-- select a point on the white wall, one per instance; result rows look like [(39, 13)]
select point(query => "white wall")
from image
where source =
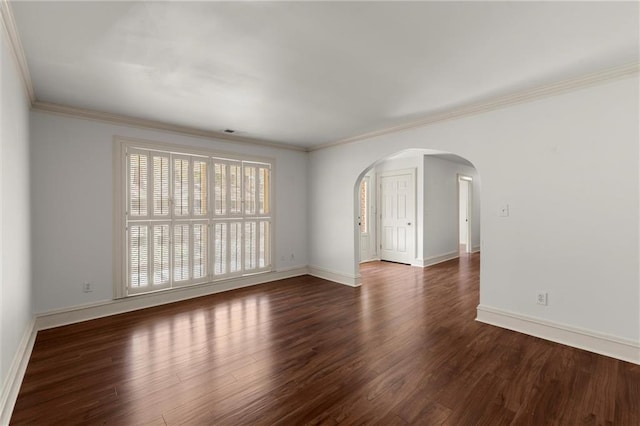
[(548, 159), (15, 233), (73, 207), (441, 207)]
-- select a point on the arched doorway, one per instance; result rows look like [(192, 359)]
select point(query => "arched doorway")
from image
[(418, 207)]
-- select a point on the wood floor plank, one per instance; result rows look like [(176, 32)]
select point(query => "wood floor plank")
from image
[(402, 349)]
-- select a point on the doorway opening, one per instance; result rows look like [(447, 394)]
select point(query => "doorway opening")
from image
[(465, 211), (418, 207)]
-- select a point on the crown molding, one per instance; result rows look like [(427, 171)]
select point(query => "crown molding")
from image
[(499, 102), (11, 31), (106, 117)]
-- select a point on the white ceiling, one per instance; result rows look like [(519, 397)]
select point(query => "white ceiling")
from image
[(313, 72)]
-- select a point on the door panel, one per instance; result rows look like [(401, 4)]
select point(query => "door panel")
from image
[(397, 217)]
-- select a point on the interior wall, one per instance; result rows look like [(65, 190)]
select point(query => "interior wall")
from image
[(441, 207), (546, 159), (73, 205), (15, 210)]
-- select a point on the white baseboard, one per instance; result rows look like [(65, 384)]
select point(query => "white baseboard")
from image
[(434, 260), (338, 277), (13, 381), (612, 346), (475, 249), (111, 307)]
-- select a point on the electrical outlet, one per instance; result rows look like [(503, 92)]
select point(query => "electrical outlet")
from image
[(542, 298), (87, 287)]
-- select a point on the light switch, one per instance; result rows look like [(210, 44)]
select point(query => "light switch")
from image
[(504, 210)]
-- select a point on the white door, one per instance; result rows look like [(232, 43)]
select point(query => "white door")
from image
[(397, 216)]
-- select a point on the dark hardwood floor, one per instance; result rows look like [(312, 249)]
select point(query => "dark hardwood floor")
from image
[(402, 349)]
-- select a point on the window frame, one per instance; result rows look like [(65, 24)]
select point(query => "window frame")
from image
[(122, 145)]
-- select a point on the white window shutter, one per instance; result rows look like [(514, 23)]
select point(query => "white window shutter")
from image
[(161, 179), (138, 256), (200, 251), (235, 188), (250, 246), (181, 190), (192, 218), (181, 252), (161, 275), (235, 243), (250, 186), (200, 187), (138, 188), (220, 248), (264, 182), (264, 256), (220, 190)]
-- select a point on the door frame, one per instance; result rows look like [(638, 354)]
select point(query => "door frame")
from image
[(379, 176), (469, 180)]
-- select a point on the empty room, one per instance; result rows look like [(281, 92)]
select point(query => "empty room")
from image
[(255, 212)]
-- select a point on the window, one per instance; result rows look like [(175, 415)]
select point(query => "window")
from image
[(363, 205), (191, 217)]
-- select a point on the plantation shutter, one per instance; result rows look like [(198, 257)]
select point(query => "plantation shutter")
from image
[(138, 187), (250, 185), (161, 255), (235, 188), (181, 252), (264, 258), (235, 243), (263, 190), (220, 247), (200, 187), (181, 175), (139, 256), (192, 219), (200, 251)]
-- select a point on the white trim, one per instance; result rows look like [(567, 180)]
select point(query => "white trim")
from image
[(15, 375), (153, 145), (143, 123), (434, 260), (515, 98), (603, 344), (475, 249), (499, 102), (76, 314), (8, 22), (336, 277)]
